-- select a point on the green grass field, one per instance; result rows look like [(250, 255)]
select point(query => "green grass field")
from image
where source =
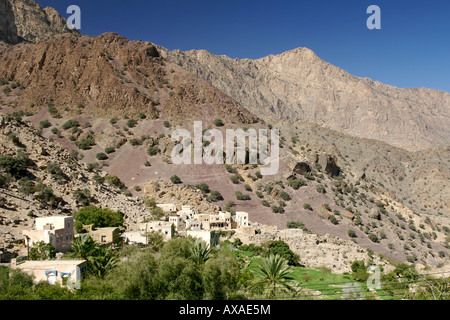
[(318, 283)]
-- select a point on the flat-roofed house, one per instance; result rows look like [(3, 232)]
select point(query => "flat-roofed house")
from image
[(210, 237), (193, 225), (242, 219), (105, 235), (53, 271), (204, 220), (56, 230), (167, 207), (186, 213), (176, 220), (165, 227)]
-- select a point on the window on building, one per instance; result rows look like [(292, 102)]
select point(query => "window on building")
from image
[(103, 238)]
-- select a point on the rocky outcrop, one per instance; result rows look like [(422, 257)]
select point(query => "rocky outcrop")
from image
[(8, 29), (301, 168), (318, 251), (328, 163), (298, 85), (26, 20)]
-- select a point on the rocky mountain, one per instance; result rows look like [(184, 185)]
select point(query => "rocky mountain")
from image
[(26, 20), (97, 106), (299, 86), (108, 75)]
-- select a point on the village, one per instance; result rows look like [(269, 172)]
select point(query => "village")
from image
[(178, 221)]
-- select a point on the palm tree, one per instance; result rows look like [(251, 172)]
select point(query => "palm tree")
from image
[(83, 246), (273, 276), (102, 262), (200, 252)]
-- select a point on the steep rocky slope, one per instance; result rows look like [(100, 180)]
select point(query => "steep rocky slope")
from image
[(26, 20), (298, 85), (49, 183), (108, 75)]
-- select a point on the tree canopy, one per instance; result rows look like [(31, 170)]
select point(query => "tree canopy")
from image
[(100, 218)]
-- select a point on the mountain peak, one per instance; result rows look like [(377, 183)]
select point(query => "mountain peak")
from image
[(26, 20)]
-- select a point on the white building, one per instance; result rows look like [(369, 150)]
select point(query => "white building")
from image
[(241, 219), (176, 220), (193, 225), (53, 271), (167, 207), (210, 237), (186, 213), (57, 230), (165, 227)]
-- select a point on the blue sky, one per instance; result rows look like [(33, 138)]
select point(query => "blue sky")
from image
[(412, 49)]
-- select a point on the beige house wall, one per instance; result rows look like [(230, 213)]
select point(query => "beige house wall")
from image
[(105, 235), (43, 270)]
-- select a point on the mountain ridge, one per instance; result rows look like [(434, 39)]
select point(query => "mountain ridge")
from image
[(298, 85)]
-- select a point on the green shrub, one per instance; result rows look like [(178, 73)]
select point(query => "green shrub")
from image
[(99, 179), (215, 196), (114, 181), (351, 233), (296, 183), (320, 188), (131, 123), (333, 220), (135, 142), (218, 123), (70, 124), (285, 196), (373, 237), (101, 156), (45, 124), (83, 197), (280, 248), (307, 206), (26, 186), (152, 151), (56, 131), (5, 180), (175, 179), (277, 209), (230, 169), (85, 144), (7, 90), (166, 124), (203, 187), (235, 179), (296, 225), (55, 170), (15, 166), (110, 150), (359, 270), (241, 196)]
